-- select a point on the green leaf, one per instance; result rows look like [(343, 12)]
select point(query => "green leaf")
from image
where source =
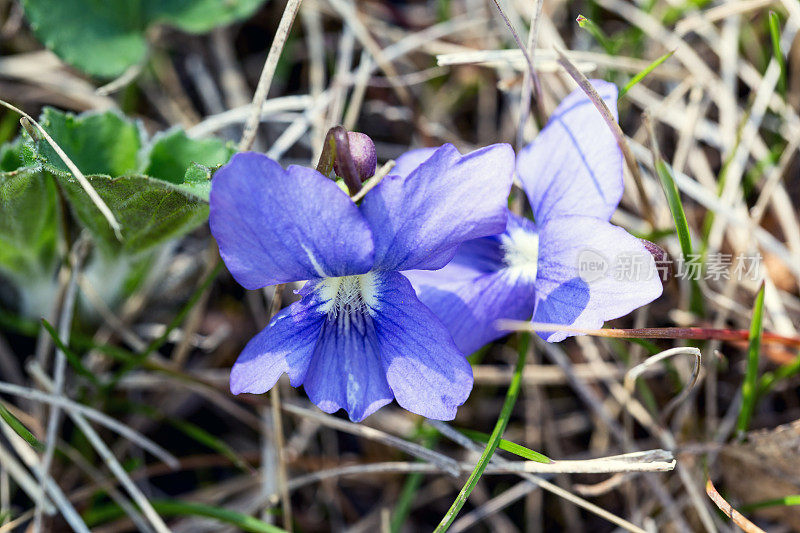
[(200, 16), (665, 174), (28, 225), (98, 143), (150, 211), (178, 159), (108, 148), (106, 37)]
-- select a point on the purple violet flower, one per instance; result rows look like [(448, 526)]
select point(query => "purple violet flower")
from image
[(359, 336), (572, 175)]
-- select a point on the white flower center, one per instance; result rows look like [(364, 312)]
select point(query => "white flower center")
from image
[(521, 253), (346, 297)]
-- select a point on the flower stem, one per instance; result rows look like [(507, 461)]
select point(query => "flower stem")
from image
[(494, 439)]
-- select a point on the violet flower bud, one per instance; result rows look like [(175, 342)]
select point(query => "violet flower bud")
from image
[(362, 150)]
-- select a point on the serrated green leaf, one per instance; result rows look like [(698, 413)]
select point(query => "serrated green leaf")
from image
[(107, 148), (186, 162), (105, 37), (150, 211), (174, 152), (98, 143)]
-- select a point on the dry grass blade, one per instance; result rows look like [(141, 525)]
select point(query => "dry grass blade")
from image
[(93, 414), (109, 459), (59, 373), (23, 479), (467, 443), (445, 463), (633, 374), (373, 182), (737, 517), (265, 80)]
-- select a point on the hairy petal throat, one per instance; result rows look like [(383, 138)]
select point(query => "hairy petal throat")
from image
[(349, 300)]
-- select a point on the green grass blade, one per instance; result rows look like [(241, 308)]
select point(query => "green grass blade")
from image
[(667, 179), (597, 33), (19, 428), (640, 76), (235, 518), (775, 35), (410, 487), (494, 439), (169, 508), (675, 205), (750, 385), (72, 358), (508, 446), (793, 499), (769, 379), (207, 439)]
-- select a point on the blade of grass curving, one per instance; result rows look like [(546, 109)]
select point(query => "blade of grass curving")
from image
[(91, 413), (641, 75), (72, 358), (750, 385), (792, 499), (111, 461), (494, 439), (672, 194), (775, 35), (20, 428), (508, 446)]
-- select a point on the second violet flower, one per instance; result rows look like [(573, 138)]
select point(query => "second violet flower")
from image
[(572, 176)]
